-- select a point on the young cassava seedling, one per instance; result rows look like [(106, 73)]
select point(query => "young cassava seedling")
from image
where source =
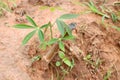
[(57, 43)]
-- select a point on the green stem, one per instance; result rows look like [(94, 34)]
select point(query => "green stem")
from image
[(51, 25)]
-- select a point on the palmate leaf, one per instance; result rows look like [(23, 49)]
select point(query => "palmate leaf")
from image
[(23, 26), (67, 28), (31, 21), (68, 16), (60, 25), (28, 37), (41, 35)]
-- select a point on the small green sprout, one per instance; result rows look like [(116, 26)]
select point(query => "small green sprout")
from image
[(107, 75), (66, 60), (3, 7), (114, 17), (88, 57), (96, 64), (94, 9)]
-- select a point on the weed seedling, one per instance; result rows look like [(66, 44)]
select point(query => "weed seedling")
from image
[(107, 75), (114, 17), (88, 59), (95, 10), (3, 7)]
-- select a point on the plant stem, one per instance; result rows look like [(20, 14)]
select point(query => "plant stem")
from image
[(49, 56), (51, 30)]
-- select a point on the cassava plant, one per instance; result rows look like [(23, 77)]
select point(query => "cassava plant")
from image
[(56, 43)]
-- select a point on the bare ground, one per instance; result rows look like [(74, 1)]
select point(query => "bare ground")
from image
[(92, 37)]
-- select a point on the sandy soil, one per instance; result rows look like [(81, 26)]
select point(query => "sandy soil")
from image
[(92, 37)]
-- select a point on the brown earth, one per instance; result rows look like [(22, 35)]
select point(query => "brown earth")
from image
[(92, 37)]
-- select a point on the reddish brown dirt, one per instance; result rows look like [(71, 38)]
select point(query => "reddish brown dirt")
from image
[(92, 37)]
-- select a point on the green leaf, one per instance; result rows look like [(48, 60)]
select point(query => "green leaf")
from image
[(41, 35), (61, 46), (52, 9), (68, 37), (87, 57), (60, 25), (61, 55), (67, 62), (68, 16), (45, 26), (114, 17), (72, 63), (94, 9), (31, 21), (58, 63), (28, 37), (23, 26), (52, 41), (68, 30), (108, 74)]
